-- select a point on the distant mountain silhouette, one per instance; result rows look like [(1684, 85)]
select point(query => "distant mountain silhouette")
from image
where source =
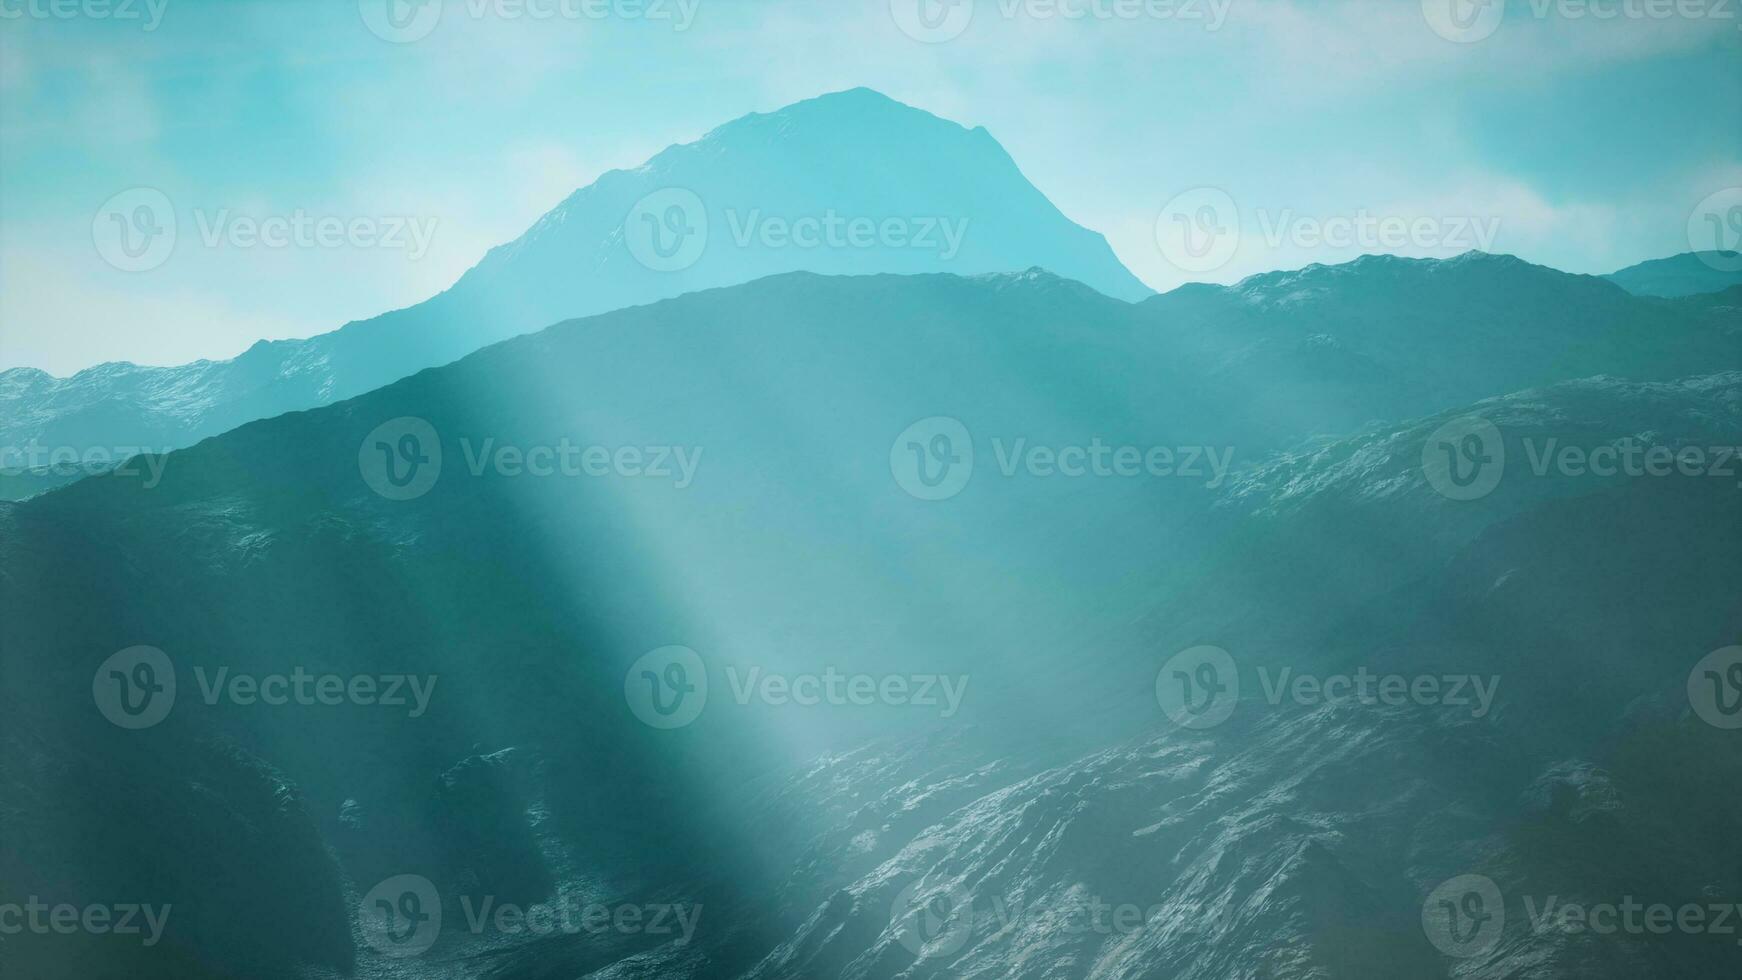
[(852, 182), (1687, 274), (1386, 338)]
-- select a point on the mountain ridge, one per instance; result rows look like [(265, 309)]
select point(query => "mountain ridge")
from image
[(853, 152), (1685, 274), (531, 598)]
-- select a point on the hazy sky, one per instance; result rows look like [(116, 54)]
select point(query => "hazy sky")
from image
[(1583, 136)]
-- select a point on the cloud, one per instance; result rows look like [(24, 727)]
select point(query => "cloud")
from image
[(116, 318), (16, 81)]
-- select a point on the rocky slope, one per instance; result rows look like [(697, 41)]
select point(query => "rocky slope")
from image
[(1295, 840)]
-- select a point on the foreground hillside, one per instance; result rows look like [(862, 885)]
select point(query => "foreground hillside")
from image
[(768, 519)]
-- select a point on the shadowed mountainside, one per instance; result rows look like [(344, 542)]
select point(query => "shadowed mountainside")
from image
[(1296, 841)]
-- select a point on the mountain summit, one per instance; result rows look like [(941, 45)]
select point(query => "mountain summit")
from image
[(1687, 274), (847, 183)]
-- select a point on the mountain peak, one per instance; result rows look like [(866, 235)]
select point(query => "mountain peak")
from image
[(1375, 274), (856, 114), (857, 97), (1686, 274), (847, 183), (925, 194)]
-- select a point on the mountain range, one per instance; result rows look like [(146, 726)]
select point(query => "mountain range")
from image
[(844, 607), (1687, 274), (1298, 840), (848, 182)]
